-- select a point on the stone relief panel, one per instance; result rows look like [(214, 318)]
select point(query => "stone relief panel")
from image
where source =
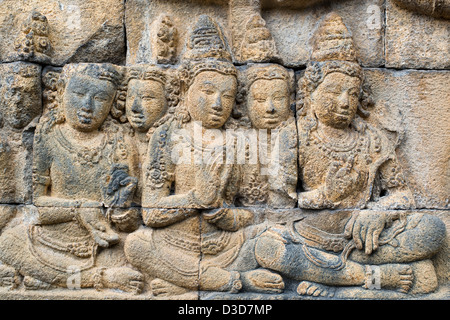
[(239, 149)]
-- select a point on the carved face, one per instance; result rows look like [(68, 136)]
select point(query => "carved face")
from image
[(335, 101), (211, 97), (268, 103), (146, 103), (87, 102), (21, 102)]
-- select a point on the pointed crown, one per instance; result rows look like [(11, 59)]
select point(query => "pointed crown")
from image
[(333, 41), (206, 51), (207, 41)]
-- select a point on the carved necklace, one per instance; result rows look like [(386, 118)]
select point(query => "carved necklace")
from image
[(354, 145), (82, 155)]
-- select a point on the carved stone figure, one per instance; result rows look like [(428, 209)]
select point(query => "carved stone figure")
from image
[(147, 101), (271, 179), (224, 149), (346, 163), (81, 163), (20, 104), (195, 221)]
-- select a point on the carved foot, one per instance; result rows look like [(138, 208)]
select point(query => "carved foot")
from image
[(306, 288), (263, 281), (162, 288), (31, 283), (8, 277), (125, 279), (393, 277)]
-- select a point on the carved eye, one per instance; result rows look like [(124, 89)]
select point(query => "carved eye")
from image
[(209, 92), (100, 98), (354, 94), (278, 98), (228, 96)]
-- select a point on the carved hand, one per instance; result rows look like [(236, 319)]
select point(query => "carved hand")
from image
[(94, 222), (121, 187), (341, 180), (365, 229), (210, 181)]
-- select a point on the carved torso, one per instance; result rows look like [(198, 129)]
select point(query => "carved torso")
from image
[(363, 152)]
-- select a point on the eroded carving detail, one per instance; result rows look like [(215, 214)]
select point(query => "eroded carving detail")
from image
[(20, 107), (33, 43), (435, 8), (166, 41), (272, 180)]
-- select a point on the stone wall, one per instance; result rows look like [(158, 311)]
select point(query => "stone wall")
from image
[(95, 203)]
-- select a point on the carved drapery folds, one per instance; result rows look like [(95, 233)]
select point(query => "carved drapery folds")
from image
[(215, 169)]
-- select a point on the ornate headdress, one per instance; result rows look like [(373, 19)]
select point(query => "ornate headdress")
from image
[(258, 44), (102, 71), (147, 73), (333, 50), (267, 72), (207, 50)]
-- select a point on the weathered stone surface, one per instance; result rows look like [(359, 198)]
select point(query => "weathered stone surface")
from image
[(415, 105), (414, 40), (141, 19), (290, 28), (77, 31), (435, 8), (20, 108), (211, 164)]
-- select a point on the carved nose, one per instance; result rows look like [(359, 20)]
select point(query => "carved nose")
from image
[(136, 107), (270, 107), (343, 101), (86, 106), (217, 106)]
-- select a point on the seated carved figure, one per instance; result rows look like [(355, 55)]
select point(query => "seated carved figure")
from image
[(20, 105), (345, 163), (146, 101), (269, 174), (81, 163), (194, 237)]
